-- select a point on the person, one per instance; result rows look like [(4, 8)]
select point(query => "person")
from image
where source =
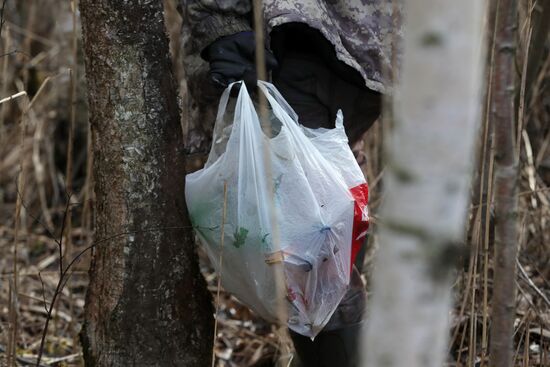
[(323, 55)]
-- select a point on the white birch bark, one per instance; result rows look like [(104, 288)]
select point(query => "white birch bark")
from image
[(430, 159)]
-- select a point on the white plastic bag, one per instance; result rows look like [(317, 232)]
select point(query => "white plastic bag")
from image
[(303, 229), (333, 145)]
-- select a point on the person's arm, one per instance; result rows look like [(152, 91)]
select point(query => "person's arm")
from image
[(221, 32), (211, 20)]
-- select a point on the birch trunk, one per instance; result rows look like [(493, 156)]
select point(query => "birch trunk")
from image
[(506, 187), (147, 304), (430, 159)]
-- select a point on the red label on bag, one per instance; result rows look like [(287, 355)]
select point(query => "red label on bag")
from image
[(360, 194)]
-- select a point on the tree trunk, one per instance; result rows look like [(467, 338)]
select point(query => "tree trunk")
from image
[(429, 169), (147, 304), (541, 30), (506, 186)]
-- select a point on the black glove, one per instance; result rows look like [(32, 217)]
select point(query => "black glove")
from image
[(232, 58)]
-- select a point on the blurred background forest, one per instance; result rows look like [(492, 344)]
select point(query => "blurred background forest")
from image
[(46, 197)]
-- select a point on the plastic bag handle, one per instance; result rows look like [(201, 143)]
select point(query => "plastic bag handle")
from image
[(296, 133), (265, 87), (339, 123), (213, 155), (243, 100), (224, 100), (279, 110), (276, 95)]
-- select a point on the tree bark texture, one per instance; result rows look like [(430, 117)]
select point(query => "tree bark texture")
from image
[(200, 98), (147, 304), (506, 187), (430, 159)]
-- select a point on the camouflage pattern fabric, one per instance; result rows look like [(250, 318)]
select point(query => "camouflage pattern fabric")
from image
[(360, 30)]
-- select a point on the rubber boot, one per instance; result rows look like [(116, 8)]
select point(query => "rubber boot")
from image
[(331, 348)]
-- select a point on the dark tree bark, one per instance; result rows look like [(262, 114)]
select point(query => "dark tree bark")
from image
[(506, 187), (147, 304)]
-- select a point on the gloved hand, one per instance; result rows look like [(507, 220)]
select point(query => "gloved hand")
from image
[(233, 58)]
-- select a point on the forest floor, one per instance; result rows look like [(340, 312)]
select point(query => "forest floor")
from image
[(244, 339)]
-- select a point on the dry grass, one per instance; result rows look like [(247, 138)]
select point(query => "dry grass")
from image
[(39, 54)]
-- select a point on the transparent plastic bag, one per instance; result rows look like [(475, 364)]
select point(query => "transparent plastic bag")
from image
[(333, 145), (289, 211)]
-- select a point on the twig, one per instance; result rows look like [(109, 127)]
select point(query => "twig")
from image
[(64, 358), (43, 292), (21, 188), (522, 99), (13, 52), (25, 361), (17, 29), (39, 91), (63, 224), (4, 89), (36, 219), (532, 284), (49, 273), (69, 169), (219, 273), (278, 272), (506, 184), (2, 21), (12, 97)]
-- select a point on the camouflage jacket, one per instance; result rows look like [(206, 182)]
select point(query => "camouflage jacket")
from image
[(360, 30)]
